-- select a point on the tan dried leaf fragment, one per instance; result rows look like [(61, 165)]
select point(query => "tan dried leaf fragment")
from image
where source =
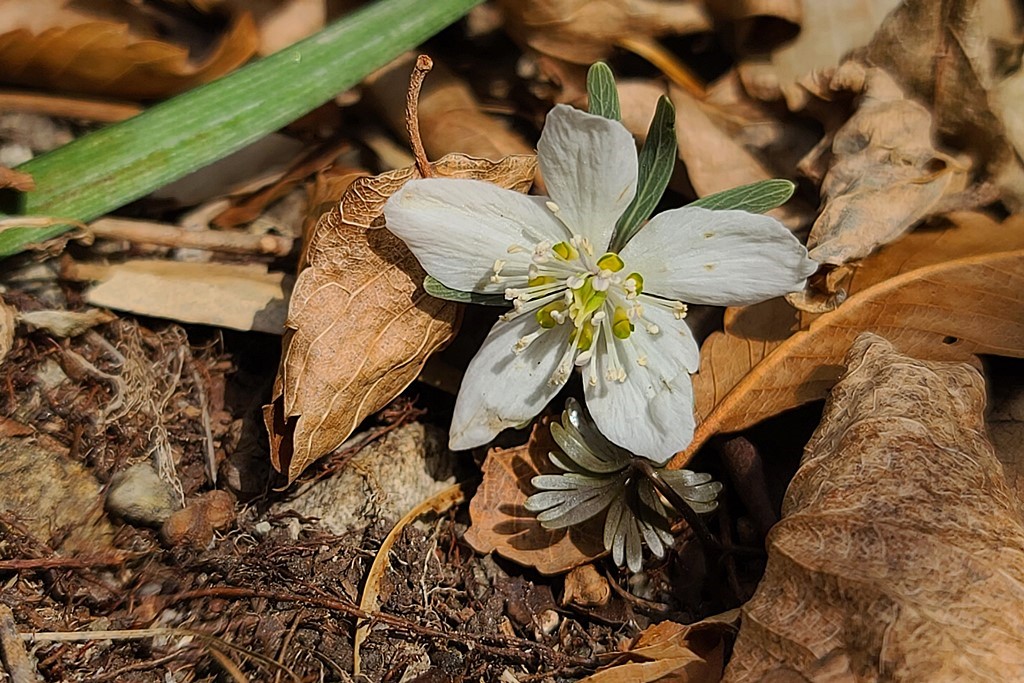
[(87, 47), (900, 555), (501, 523), (939, 295), (668, 651), (360, 327), (583, 32)]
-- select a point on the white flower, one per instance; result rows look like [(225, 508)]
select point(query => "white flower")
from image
[(619, 317)]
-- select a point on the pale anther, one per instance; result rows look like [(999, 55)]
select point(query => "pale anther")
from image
[(552, 207)]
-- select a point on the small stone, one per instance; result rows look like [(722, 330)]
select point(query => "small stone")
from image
[(262, 528), (140, 496), (547, 621), (194, 525)]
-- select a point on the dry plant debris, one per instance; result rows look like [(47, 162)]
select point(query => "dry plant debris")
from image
[(900, 551)]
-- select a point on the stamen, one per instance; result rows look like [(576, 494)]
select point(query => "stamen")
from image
[(516, 249), (540, 251), (641, 361), (523, 342), (552, 207), (545, 316), (574, 281)]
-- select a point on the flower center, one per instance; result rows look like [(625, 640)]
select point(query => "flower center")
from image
[(601, 299)]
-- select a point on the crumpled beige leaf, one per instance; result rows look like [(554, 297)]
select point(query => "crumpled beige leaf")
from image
[(671, 652), (940, 295), (962, 58), (91, 47), (500, 522), (360, 327), (900, 555), (886, 174), (583, 32), (62, 323)]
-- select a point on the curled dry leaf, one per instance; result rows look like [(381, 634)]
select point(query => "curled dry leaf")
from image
[(886, 174), (962, 57), (673, 652), (500, 522), (63, 323), (450, 117), (360, 327), (583, 32), (83, 47), (917, 292), (900, 555)]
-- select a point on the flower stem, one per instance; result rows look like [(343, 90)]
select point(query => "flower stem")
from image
[(412, 117)]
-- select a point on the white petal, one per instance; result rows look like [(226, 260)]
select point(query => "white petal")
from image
[(651, 413), (722, 258), (502, 389), (590, 168), (458, 228)]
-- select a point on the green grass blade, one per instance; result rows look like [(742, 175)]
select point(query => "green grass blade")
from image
[(656, 162), (602, 95), (755, 197), (435, 288), (107, 169)]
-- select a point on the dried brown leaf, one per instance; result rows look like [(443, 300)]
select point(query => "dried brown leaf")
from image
[(583, 32), (93, 48), (874, 575), (501, 523), (886, 174), (759, 25), (360, 326), (935, 308), (1005, 422), (671, 652)]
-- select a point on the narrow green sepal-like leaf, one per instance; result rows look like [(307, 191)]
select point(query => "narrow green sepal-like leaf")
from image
[(602, 93), (656, 162), (755, 198), (109, 168), (434, 288)]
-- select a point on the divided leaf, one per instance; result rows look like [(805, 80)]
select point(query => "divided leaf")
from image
[(915, 292), (360, 325)]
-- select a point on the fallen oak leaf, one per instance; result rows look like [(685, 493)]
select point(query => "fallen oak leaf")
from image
[(360, 326), (878, 576), (944, 310), (500, 522)]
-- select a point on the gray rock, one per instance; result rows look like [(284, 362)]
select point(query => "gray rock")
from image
[(383, 481), (140, 496)]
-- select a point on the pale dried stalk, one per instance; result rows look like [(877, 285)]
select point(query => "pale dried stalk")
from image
[(161, 234)]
